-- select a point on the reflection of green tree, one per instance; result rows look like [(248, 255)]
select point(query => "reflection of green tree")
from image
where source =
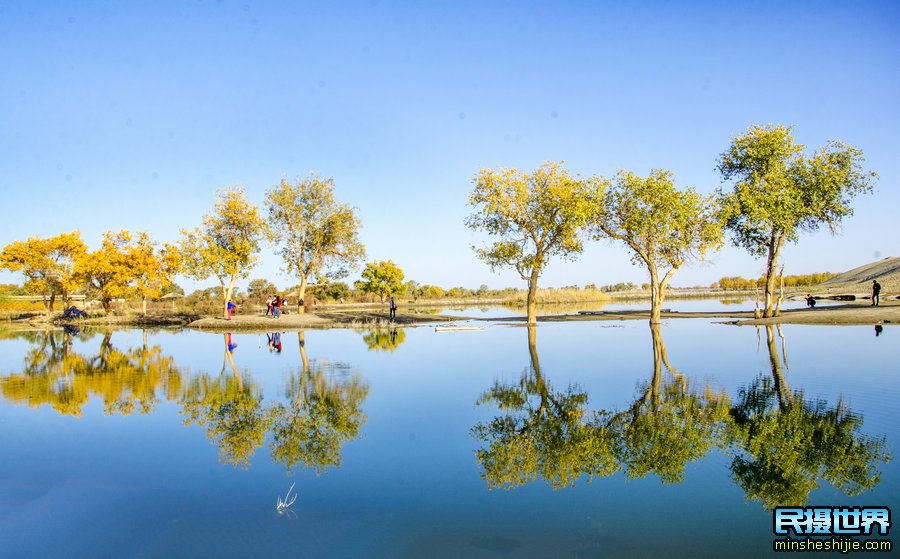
[(56, 375), (783, 444), (542, 433), (324, 412), (230, 407), (667, 426), (384, 340)]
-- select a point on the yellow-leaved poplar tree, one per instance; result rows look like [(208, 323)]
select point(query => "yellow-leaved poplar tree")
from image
[(153, 269), (47, 264), (227, 244), (108, 268)]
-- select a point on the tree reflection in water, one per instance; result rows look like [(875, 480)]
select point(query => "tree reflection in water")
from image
[(783, 444), (230, 408), (384, 339), (543, 432), (56, 375), (323, 412), (667, 426)]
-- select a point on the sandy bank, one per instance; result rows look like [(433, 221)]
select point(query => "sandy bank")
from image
[(329, 319), (847, 314)]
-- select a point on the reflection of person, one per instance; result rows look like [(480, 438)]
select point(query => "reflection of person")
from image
[(229, 344), (393, 308), (878, 330), (810, 301), (228, 308), (876, 291), (274, 341)]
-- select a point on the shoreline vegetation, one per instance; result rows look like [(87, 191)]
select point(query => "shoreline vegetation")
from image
[(428, 313)]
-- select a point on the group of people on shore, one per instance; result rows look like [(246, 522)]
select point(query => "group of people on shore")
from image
[(274, 305)]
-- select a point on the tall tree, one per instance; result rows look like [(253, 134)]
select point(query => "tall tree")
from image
[(778, 192), (663, 226), (152, 269), (108, 269), (227, 244), (316, 235), (47, 264), (383, 278), (536, 216)]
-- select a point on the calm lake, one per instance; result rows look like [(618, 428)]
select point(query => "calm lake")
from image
[(583, 439)]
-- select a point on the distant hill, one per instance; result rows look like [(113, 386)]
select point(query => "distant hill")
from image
[(886, 271)]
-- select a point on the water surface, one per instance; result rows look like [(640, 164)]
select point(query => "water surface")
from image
[(586, 439)]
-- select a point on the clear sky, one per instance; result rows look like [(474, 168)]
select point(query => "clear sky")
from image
[(130, 115)]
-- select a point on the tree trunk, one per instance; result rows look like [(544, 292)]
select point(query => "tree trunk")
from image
[(226, 293), (775, 245), (780, 291), (144, 305), (52, 300), (301, 295), (655, 298), (531, 300)]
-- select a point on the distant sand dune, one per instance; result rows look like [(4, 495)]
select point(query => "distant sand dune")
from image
[(886, 271)]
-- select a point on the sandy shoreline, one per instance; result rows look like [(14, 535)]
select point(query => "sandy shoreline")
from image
[(845, 314), (851, 313)]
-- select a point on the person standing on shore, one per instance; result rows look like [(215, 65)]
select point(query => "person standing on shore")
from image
[(268, 305), (393, 308), (876, 292), (230, 307), (276, 307)]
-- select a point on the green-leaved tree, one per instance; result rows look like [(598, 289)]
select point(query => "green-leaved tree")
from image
[(535, 216), (779, 192), (382, 278), (663, 226), (316, 235)]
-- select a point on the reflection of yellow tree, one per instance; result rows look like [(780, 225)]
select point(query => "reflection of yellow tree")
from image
[(384, 340), (324, 412), (667, 426), (47, 375), (783, 444), (54, 374), (230, 407), (542, 433)]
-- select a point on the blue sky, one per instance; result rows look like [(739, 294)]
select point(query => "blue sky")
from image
[(127, 115)]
